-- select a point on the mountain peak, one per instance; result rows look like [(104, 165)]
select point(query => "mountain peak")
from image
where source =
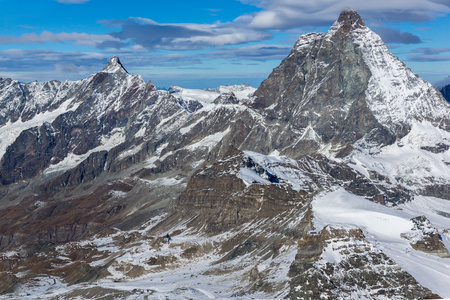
[(349, 19), (114, 65)]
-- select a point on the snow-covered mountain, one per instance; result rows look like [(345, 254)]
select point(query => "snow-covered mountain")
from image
[(195, 99), (331, 179), (444, 87), (440, 84)]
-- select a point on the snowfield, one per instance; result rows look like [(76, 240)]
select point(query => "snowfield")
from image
[(383, 226), (407, 162), (207, 96)]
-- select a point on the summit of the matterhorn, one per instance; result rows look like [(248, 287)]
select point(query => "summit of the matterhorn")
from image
[(348, 20), (114, 65)]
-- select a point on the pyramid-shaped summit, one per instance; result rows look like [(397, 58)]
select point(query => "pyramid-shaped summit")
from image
[(346, 86), (114, 65), (349, 19)]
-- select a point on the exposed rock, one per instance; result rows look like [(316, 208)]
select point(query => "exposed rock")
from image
[(114, 65), (65, 221), (82, 272), (227, 98), (7, 283), (340, 263), (103, 102), (437, 190), (425, 237), (332, 83), (322, 84), (12, 100), (97, 292), (439, 148), (86, 171), (191, 105), (219, 200)]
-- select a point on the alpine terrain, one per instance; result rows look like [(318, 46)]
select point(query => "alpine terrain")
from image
[(329, 181), (444, 87)]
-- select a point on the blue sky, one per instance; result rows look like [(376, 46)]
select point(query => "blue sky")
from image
[(200, 44)]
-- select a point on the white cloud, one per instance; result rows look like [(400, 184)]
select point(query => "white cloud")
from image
[(40, 64), (181, 36), (84, 39), (260, 52), (224, 38), (286, 14)]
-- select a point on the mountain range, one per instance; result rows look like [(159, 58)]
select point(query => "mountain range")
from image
[(444, 87), (330, 180)]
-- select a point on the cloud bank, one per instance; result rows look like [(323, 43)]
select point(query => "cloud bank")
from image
[(287, 14), (430, 55), (184, 36), (50, 37), (391, 35)]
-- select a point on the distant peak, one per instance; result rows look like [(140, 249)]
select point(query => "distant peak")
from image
[(349, 19), (114, 65)]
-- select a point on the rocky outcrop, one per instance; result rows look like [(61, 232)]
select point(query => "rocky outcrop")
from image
[(240, 188), (65, 220), (437, 190), (218, 200), (7, 283), (86, 171), (340, 263), (425, 237), (227, 98), (12, 100)]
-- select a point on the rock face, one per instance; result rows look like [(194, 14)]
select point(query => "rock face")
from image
[(425, 237), (227, 98), (103, 103), (357, 268), (94, 174), (220, 200), (337, 85)]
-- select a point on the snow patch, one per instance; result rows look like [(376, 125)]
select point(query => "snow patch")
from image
[(407, 162), (11, 131), (116, 137), (210, 141), (207, 96), (277, 169)]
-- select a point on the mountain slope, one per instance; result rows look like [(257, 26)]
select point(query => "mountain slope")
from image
[(444, 87), (346, 86)]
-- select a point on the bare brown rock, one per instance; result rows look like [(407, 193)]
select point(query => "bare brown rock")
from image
[(425, 237)]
